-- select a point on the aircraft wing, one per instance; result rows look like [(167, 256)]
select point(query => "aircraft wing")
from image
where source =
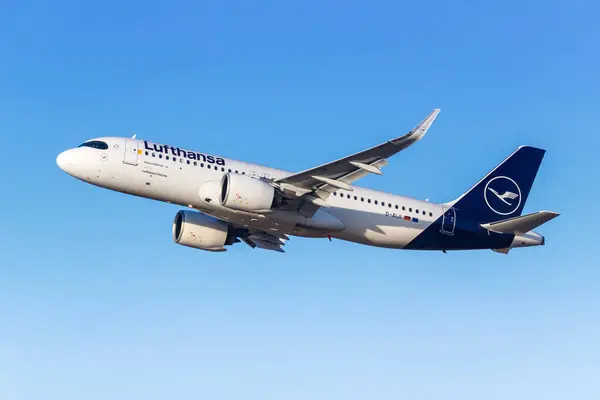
[(317, 183)]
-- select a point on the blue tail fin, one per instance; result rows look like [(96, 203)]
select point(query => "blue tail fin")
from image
[(503, 192)]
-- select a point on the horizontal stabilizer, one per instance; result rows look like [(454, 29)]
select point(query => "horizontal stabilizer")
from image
[(522, 224)]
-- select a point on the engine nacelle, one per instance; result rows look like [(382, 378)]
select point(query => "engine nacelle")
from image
[(240, 192), (200, 231)]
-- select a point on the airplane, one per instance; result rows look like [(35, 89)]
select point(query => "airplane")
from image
[(229, 201)]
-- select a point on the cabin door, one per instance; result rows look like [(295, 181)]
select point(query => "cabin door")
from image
[(448, 221), (131, 152)]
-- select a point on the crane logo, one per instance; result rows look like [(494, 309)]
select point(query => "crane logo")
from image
[(502, 195)]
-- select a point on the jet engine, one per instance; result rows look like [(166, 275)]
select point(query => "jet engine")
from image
[(240, 192), (201, 231)]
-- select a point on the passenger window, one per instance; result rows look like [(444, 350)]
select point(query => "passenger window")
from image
[(396, 206), (369, 201), (174, 159), (201, 165), (146, 153), (355, 198), (410, 210), (195, 163), (362, 199), (424, 212), (348, 195), (390, 205), (160, 156), (153, 154), (167, 157), (417, 211), (431, 214), (403, 208), (236, 171), (375, 202)]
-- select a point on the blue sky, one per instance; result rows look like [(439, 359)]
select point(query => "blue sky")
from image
[(97, 302)]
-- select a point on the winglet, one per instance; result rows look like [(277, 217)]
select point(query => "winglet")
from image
[(420, 130)]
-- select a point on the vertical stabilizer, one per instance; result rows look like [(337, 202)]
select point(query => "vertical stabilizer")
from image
[(502, 193)]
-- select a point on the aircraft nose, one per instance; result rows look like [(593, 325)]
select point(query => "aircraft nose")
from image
[(67, 161), (63, 160)]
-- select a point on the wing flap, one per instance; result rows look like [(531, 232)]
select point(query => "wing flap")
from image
[(261, 244), (265, 241)]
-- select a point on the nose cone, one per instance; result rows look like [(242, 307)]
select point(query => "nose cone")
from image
[(69, 161), (62, 160)]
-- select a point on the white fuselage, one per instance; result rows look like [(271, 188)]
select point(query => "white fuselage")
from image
[(130, 166)]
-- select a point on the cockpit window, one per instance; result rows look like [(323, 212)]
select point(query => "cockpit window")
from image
[(96, 144)]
